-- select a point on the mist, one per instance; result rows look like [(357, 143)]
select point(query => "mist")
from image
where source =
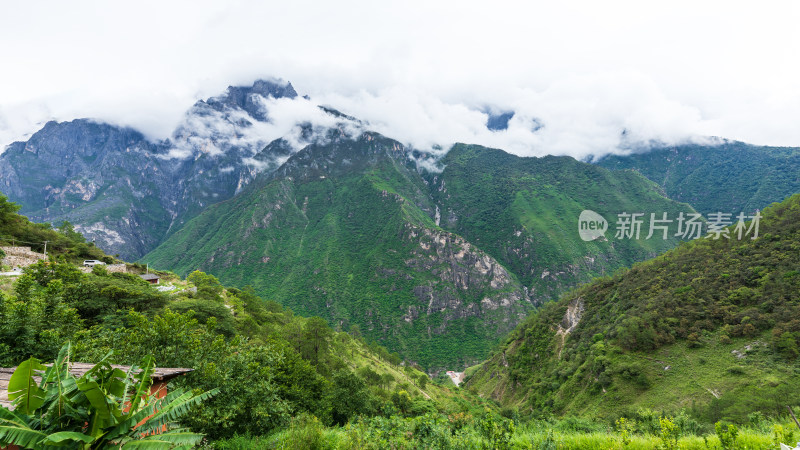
[(582, 78)]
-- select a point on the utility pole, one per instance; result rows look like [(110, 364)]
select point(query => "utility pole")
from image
[(45, 249)]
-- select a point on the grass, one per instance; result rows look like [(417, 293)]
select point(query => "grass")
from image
[(307, 433), (7, 284), (607, 440)]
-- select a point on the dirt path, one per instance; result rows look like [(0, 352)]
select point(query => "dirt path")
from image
[(457, 377)]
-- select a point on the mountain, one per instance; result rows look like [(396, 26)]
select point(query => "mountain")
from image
[(126, 193), (524, 212), (436, 266), (729, 177), (710, 327)]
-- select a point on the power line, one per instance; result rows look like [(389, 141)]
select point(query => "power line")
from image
[(19, 241), (15, 241)]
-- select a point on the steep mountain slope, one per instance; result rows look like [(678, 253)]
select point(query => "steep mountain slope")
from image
[(524, 212), (710, 326), (126, 193), (730, 177), (347, 229), (83, 172)]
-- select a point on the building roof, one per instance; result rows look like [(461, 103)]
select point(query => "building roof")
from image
[(149, 276), (78, 369)]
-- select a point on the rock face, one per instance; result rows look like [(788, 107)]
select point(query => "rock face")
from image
[(126, 193), (460, 268), (571, 320)]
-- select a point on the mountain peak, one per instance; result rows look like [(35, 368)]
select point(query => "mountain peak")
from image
[(243, 97), (276, 89)]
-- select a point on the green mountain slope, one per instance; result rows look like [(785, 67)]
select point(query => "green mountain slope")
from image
[(710, 326), (524, 212), (731, 177), (348, 231)]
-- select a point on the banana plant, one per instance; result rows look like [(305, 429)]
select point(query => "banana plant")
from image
[(104, 408)]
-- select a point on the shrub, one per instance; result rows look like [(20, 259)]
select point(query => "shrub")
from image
[(625, 428), (727, 435), (781, 435), (496, 430), (669, 434)]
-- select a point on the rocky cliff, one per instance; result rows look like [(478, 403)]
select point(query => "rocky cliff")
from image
[(127, 193)]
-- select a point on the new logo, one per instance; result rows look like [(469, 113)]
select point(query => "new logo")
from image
[(591, 225)]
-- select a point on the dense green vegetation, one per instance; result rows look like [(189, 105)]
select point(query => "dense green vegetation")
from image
[(348, 231), (710, 327), (267, 363), (488, 431), (730, 177), (64, 241), (524, 212), (351, 243)]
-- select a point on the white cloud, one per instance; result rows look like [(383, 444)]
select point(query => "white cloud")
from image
[(216, 131), (420, 71)]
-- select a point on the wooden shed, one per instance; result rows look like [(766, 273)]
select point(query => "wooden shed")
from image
[(160, 378), (150, 278)]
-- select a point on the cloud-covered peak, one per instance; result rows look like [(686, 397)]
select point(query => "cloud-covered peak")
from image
[(244, 119), (248, 98)]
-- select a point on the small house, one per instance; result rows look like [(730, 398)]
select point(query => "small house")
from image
[(150, 278), (160, 377)]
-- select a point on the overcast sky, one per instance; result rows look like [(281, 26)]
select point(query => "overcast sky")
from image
[(420, 71)]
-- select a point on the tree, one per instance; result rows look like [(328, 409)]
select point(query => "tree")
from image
[(370, 376), (250, 400), (208, 286), (386, 380), (394, 359), (43, 272), (349, 397), (316, 335), (7, 209), (785, 343), (297, 380), (106, 407), (36, 323), (206, 309), (423, 381), (402, 401), (68, 230)]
